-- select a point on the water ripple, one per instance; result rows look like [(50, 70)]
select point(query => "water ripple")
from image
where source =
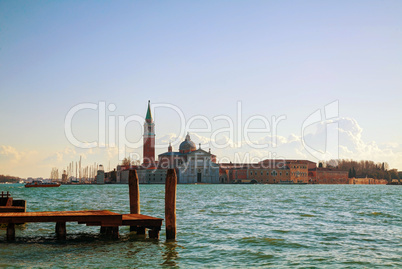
[(232, 226)]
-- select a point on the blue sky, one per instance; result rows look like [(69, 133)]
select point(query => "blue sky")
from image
[(275, 57)]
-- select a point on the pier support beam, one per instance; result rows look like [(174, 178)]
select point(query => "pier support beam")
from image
[(139, 230), (61, 232), (110, 232), (153, 233), (10, 232), (170, 204)]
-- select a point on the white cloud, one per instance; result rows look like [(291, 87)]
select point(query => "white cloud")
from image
[(15, 162), (351, 145), (10, 153)]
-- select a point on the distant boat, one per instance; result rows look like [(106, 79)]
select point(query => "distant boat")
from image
[(41, 184)]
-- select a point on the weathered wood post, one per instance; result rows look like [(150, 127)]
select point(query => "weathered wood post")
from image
[(170, 204), (61, 233), (134, 192), (134, 196), (10, 232), (111, 232)]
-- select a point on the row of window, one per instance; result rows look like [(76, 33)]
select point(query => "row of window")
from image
[(273, 173), (300, 166), (300, 174), (154, 179)]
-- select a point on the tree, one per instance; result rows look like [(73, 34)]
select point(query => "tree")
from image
[(394, 174), (362, 168), (126, 162), (387, 176)]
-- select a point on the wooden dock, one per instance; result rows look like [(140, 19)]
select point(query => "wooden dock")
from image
[(8, 204), (107, 220)]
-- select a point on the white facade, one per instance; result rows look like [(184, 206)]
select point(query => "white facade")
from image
[(152, 176), (100, 177), (199, 168), (148, 176)]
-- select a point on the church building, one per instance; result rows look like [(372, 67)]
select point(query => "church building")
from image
[(192, 165)]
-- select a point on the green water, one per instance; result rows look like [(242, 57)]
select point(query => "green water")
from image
[(323, 226)]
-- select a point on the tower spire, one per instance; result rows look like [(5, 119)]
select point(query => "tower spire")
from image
[(148, 118), (149, 139), (170, 147)]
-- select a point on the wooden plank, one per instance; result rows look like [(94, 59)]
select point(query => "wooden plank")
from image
[(91, 223), (59, 213), (138, 217), (141, 221), (63, 216), (6, 209)]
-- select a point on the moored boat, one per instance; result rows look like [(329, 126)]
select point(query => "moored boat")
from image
[(39, 183)]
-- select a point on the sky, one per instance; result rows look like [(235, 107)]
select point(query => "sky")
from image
[(217, 66)]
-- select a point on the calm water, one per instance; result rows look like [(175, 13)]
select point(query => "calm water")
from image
[(354, 226)]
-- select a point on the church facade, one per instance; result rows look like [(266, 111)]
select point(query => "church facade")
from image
[(192, 165), (199, 168)]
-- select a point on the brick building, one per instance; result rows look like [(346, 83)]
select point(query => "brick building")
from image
[(330, 176), (267, 172), (232, 173)]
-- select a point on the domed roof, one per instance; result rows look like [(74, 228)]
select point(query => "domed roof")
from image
[(187, 145)]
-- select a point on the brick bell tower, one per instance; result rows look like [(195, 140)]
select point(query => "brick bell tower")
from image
[(149, 139)]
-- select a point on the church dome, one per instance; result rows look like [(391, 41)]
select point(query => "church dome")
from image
[(187, 145)]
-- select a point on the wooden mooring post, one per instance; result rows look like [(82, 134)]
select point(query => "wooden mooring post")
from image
[(134, 192), (61, 232), (10, 232), (170, 204), (134, 196)]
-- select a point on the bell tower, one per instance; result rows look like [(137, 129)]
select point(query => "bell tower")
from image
[(149, 139)]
